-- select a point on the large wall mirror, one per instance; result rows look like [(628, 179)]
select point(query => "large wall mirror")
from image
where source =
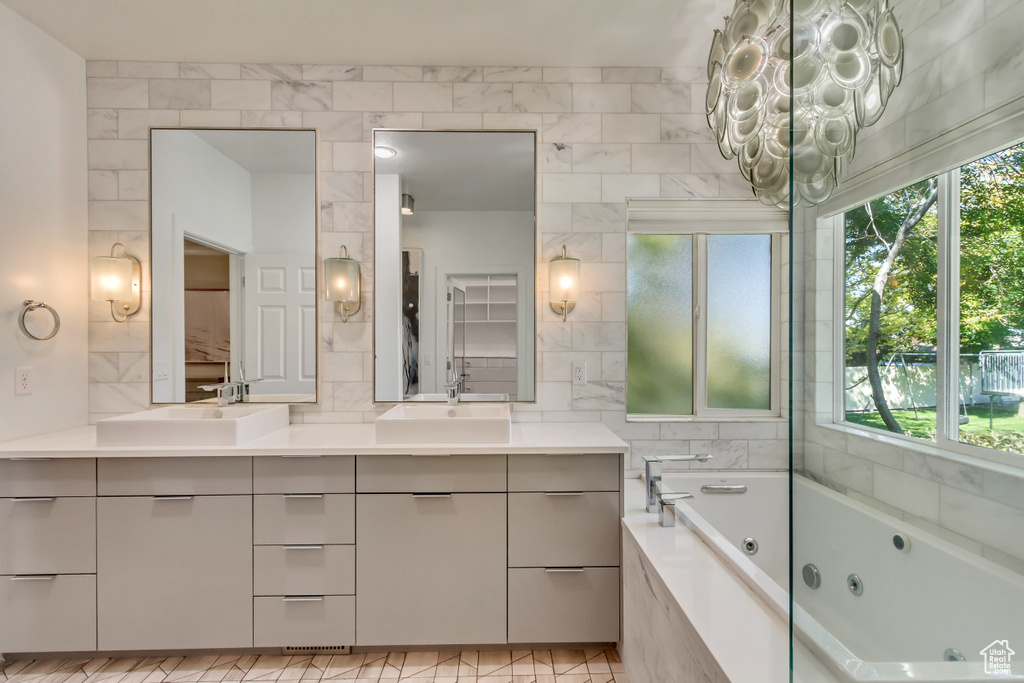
[(234, 263), (454, 263)]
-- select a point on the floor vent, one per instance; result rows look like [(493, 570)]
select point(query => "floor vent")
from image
[(316, 650)]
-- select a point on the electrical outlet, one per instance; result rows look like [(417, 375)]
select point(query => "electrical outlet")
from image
[(579, 372), (23, 381)]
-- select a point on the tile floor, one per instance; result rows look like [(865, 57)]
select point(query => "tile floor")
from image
[(489, 666)]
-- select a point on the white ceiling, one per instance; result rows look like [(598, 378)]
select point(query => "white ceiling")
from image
[(390, 32), (263, 151), (462, 171)]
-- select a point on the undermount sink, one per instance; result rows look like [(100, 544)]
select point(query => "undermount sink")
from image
[(192, 425), (418, 424)]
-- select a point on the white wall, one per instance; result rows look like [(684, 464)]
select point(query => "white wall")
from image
[(466, 243), (44, 222), (201, 193), (284, 213), (388, 287)]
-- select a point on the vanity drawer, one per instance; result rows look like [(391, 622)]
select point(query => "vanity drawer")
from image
[(563, 606), (430, 474), (224, 475), (48, 477), (48, 613), (303, 474), (587, 472), (304, 518), (563, 529), (46, 535), (311, 621), (304, 570)]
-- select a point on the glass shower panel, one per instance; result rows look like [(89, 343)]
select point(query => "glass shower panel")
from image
[(659, 305), (739, 322)]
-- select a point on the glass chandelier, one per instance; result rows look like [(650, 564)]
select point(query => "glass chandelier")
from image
[(841, 63)]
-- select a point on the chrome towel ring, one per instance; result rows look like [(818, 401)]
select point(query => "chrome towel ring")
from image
[(31, 305)]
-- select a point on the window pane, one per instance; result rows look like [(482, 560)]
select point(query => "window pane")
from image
[(739, 321), (992, 301), (891, 271), (659, 354)]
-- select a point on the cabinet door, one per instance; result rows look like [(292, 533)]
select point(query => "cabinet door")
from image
[(431, 570), (174, 573)]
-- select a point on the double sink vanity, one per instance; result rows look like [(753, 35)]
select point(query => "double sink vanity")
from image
[(309, 536)]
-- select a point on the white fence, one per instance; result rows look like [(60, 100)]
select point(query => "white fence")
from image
[(909, 386)]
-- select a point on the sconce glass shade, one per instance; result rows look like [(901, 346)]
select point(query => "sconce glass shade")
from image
[(839, 61), (341, 280), (407, 202), (564, 284), (111, 278), (117, 279)]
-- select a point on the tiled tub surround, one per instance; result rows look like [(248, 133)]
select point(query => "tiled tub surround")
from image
[(517, 543), (604, 135), (688, 617)]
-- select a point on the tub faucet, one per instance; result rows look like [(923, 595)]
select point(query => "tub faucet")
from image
[(652, 472)]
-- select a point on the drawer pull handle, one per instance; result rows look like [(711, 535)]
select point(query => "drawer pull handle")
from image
[(300, 456), (430, 455), (431, 495), (29, 459), (173, 497), (303, 547), (303, 598), (563, 493), (33, 500), (34, 577), (303, 495), (563, 570)]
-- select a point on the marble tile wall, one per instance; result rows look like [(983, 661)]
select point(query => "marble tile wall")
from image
[(605, 134), (962, 60)]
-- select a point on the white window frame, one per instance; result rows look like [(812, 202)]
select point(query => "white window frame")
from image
[(947, 316), (700, 219)]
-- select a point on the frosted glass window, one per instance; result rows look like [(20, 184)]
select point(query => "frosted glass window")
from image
[(739, 322), (659, 358)]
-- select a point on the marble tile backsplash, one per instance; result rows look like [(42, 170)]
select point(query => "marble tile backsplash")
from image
[(605, 134)]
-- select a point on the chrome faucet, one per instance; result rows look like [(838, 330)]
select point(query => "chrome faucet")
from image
[(221, 388), (652, 472), (454, 387), (242, 386), (667, 506)]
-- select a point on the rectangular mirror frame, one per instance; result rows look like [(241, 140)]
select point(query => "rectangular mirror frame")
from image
[(317, 251), (373, 222)]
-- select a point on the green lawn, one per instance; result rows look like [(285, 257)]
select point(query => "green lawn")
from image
[(923, 426)]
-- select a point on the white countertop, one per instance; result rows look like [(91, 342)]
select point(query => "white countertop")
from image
[(746, 637), (324, 439)]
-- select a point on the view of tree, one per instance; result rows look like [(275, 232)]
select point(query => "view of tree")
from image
[(891, 268)]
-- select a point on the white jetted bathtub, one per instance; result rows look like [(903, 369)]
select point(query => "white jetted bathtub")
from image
[(878, 613)]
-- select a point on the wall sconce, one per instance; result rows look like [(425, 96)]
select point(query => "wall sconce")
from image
[(564, 283), (341, 276), (117, 279), (407, 202)]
